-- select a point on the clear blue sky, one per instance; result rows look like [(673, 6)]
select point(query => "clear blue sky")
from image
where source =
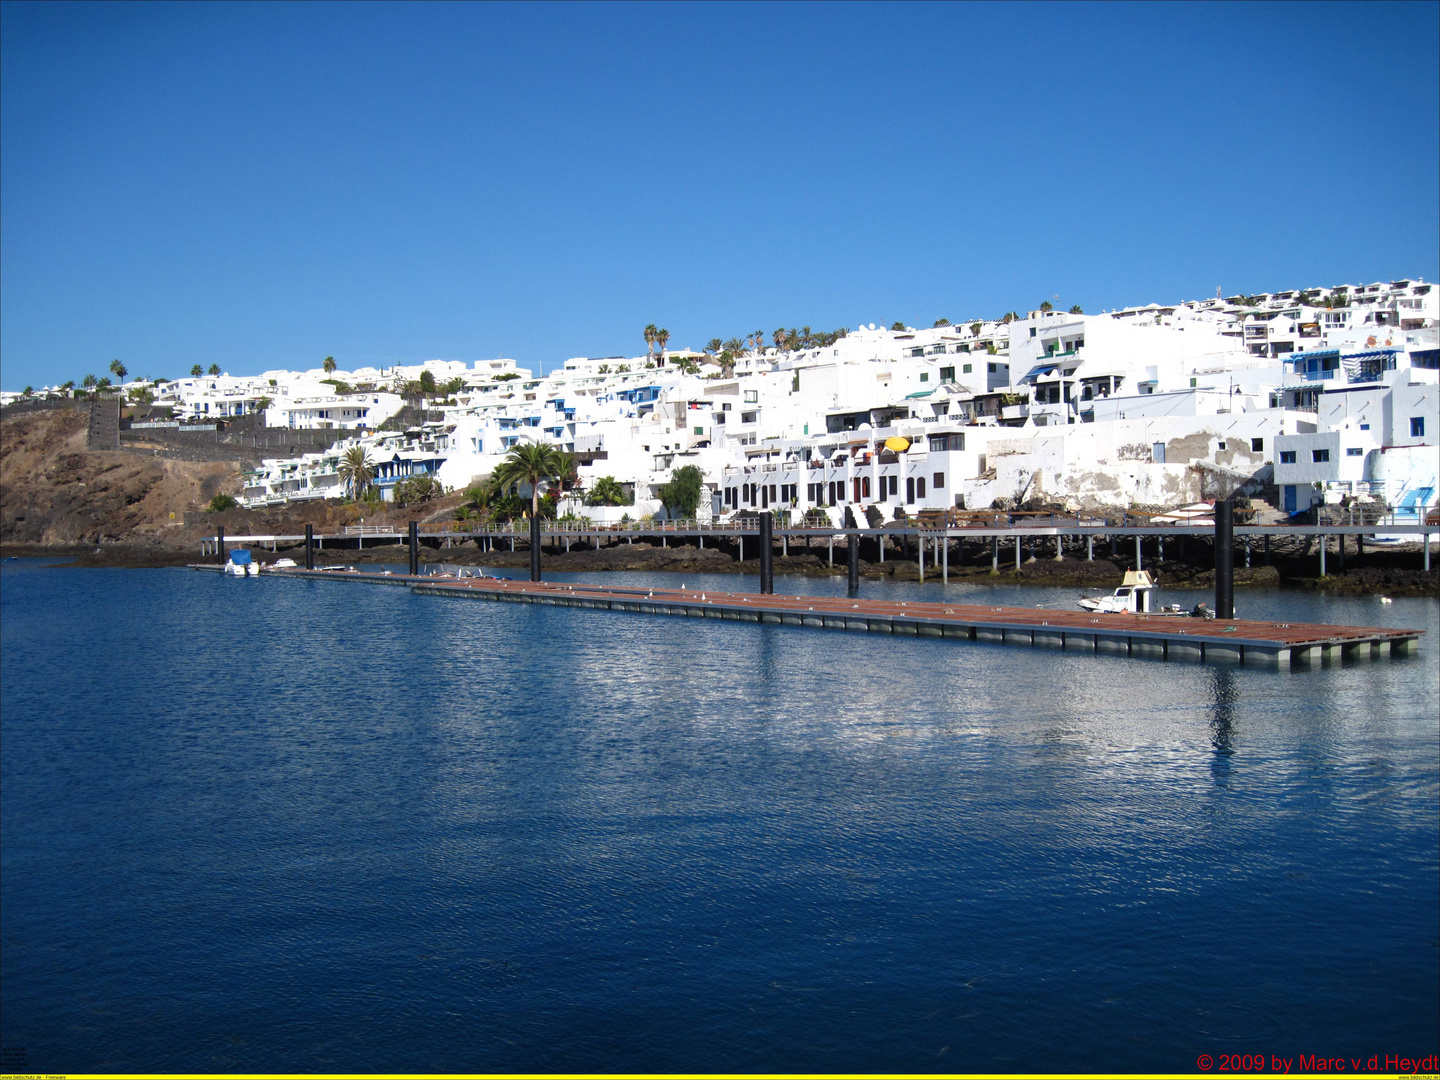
[(265, 185)]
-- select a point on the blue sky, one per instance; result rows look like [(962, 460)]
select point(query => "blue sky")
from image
[(264, 185)]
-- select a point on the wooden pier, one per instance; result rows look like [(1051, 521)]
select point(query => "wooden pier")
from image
[(1251, 643)]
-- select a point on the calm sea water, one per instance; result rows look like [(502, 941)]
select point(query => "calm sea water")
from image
[(264, 824)]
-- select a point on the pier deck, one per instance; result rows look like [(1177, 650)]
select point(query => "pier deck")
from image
[(1248, 642)]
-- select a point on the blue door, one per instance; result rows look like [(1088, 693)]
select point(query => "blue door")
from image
[(1290, 498)]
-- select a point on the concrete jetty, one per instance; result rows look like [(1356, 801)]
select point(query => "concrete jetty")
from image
[(1247, 642)]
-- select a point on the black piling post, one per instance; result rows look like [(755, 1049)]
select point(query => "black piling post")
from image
[(1224, 559), (414, 549), (309, 547), (767, 566), (220, 545), (535, 548), (853, 558)]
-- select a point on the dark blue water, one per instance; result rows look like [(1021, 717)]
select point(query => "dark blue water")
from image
[(266, 825)]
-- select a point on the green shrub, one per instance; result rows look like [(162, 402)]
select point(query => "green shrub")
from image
[(221, 502)]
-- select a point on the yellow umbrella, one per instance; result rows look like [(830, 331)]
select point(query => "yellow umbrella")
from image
[(896, 443)]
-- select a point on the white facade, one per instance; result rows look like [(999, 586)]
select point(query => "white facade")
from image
[(1151, 405)]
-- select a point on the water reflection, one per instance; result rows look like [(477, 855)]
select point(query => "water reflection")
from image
[(1225, 697)]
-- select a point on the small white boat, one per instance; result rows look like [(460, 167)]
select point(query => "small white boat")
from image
[(240, 564), (283, 564), (1133, 597)]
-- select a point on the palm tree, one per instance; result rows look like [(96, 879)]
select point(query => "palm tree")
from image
[(567, 470), (713, 346), (661, 337), (1075, 309), (356, 470), (196, 370), (759, 337), (214, 369), (734, 346), (329, 365), (650, 332), (778, 337), (528, 463), (606, 492), (119, 369)]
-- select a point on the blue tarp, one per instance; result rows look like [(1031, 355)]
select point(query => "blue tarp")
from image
[(1039, 369), (240, 556)]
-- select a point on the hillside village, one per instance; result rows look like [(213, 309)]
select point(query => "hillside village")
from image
[(1302, 397)]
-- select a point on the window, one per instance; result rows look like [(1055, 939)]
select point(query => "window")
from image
[(1257, 446), (699, 431), (1032, 331), (752, 397), (991, 367), (924, 376), (1319, 456), (1220, 445), (939, 480), (894, 485), (866, 487), (1364, 427), (947, 374), (747, 418), (1192, 381), (1287, 457), (1354, 451), (920, 486), (1417, 427), (909, 489), (966, 369)]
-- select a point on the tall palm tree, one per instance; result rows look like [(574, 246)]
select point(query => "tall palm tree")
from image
[(779, 337), (650, 332), (528, 463), (759, 336), (661, 337), (734, 346), (329, 365), (567, 470), (119, 369), (356, 470), (713, 346)]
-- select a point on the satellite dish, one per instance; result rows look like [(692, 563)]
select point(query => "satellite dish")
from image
[(872, 326)]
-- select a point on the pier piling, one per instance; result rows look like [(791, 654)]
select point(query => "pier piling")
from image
[(767, 556), (534, 548), (414, 549), (220, 546), (309, 547), (1224, 559), (853, 558)]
